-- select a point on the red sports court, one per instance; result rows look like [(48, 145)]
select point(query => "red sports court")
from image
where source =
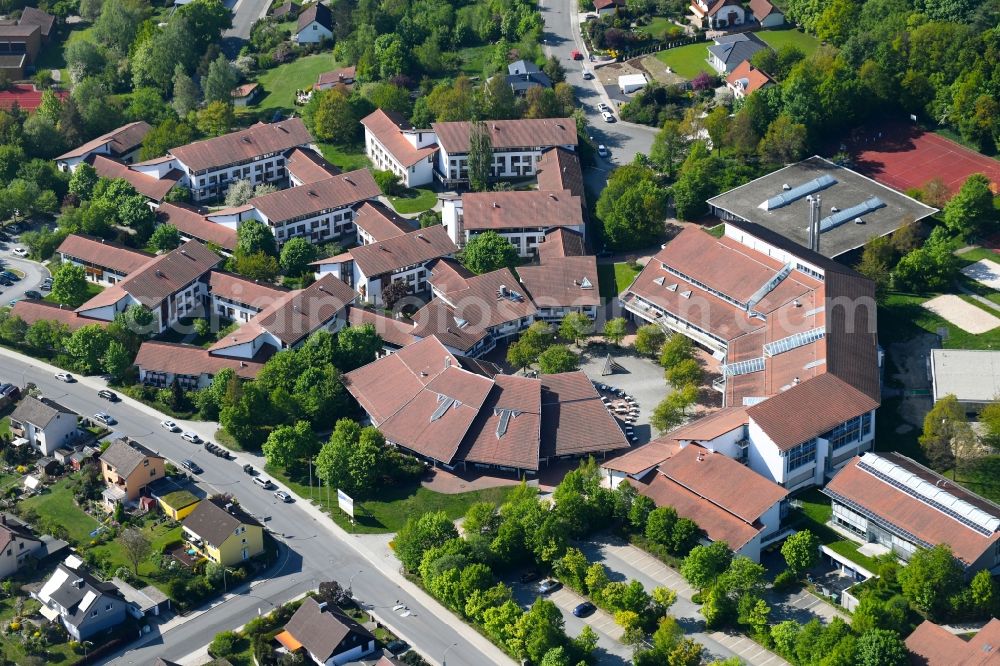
[(903, 156), (27, 96)]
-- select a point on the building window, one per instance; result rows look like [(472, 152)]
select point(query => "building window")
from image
[(801, 455), (850, 431)]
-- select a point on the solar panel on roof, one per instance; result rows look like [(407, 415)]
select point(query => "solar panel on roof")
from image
[(796, 193), (843, 216)]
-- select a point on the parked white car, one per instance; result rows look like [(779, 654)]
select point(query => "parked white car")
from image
[(191, 437), (608, 118), (19, 252), (170, 426)]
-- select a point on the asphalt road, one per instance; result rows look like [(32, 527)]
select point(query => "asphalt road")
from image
[(245, 14), (34, 273), (314, 553), (562, 36)]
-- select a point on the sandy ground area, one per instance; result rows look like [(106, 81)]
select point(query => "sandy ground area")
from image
[(964, 315), (984, 271)]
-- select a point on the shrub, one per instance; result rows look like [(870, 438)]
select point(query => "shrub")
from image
[(224, 644), (786, 580)]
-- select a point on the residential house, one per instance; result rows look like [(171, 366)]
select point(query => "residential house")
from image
[(83, 604), (315, 24), (223, 532), (377, 222), (121, 144), (727, 500), (320, 211), (19, 47), (208, 167), (524, 74), (766, 14), (393, 144), (609, 7), (326, 634), (154, 189), (103, 261), (899, 505), (306, 166), (718, 14), (932, 645), (522, 217), (128, 468), (171, 285), (246, 94), (160, 363), (44, 423), (517, 146), (562, 284), (236, 298), (729, 51), (193, 224), (343, 77), (395, 334), (369, 268), (796, 334), (177, 504), (285, 11), (17, 543), (457, 412), (559, 169), (746, 80), (31, 311), (34, 16)]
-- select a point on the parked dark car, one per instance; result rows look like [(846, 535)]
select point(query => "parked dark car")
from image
[(249, 469), (33, 295), (584, 609), (529, 576), (110, 396)]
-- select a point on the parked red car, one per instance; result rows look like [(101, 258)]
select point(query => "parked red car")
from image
[(576, 55)]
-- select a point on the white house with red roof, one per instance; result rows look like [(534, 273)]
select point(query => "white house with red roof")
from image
[(718, 14), (121, 144), (746, 80), (609, 7), (393, 144)]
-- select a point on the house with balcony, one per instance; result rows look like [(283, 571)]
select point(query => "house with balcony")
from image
[(326, 634), (236, 298), (200, 225), (83, 604), (44, 424), (128, 468), (222, 532), (564, 280), (103, 262), (393, 144), (522, 217), (403, 258), (121, 145), (796, 335), (193, 367)]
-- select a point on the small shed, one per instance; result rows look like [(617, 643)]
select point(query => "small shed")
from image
[(178, 504), (629, 83)]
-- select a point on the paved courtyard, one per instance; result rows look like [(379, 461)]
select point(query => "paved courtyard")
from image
[(966, 316), (641, 378), (985, 272)]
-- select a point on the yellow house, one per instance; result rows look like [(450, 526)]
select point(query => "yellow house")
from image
[(178, 505), (127, 467), (223, 532)]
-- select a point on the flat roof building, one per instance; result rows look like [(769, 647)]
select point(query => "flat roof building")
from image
[(779, 202), (971, 375)]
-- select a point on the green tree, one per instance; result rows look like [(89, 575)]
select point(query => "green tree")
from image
[(365, 464), (633, 208), (668, 146), (219, 83), (296, 255), (216, 119), (357, 346), (83, 180), (801, 551), (46, 335), (116, 360), (256, 266), (186, 95), (333, 461), (784, 141), (930, 579), (575, 326), (649, 339), (942, 425), (704, 564), (487, 252), (86, 347), (880, 647), (69, 285), (254, 236), (538, 631), (615, 330), (288, 443), (480, 160), (334, 118), (685, 372), (660, 525), (984, 592), (168, 134), (667, 415), (675, 350), (206, 19), (971, 208), (420, 534), (165, 238), (556, 359), (572, 569)]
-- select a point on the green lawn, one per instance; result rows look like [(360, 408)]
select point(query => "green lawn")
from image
[(658, 26), (159, 536), (394, 505), (57, 507), (414, 201), (13, 651), (978, 254), (474, 59), (687, 61), (778, 38), (347, 158), (902, 317), (281, 82), (93, 289), (814, 515), (51, 57), (717, 231), (4, 427), (615, 278)]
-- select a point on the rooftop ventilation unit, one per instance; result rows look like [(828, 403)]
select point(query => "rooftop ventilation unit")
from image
[(246, 139), (686, 294), (843, 216), (796, 193), (658, 281)]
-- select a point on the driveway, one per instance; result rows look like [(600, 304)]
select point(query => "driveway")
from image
[(33, 271), (626, 562), (245, 14)]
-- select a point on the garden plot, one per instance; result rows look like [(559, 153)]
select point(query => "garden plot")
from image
[(962, 314), (984, 272)]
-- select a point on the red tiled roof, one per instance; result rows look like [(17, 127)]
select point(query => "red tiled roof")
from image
[(26, 95), (190, 360), (398, 252), (604, 4), (910, 513), (245, 90), (244, 290), (243, 145), (933, 645), (105, 254), (146, 185), (32, 311), (192, 224), (123, 140), (527, 133), (558, 282), (110, 296), (316, 12), (560, 242), (485, 300), (748, 77), (517, 444), (167, 273), (439, 320), (559, 169), (387, 127), (520, 209), (302, 312), (343, 75), (719, 4), (379, 221), (644, 458), (312, 198), (308, 167), (574, 419), (761, 9), (392, 331)]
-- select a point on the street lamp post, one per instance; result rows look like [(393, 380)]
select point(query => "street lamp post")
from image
[(350, 583), (445, 655)]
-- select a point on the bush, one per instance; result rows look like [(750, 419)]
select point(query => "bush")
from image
[(786, 580), (388, 182), (224, 644)]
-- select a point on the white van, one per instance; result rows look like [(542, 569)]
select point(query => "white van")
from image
[(262, 482)]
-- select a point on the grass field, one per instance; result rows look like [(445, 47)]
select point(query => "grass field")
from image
[(158, 535), (814, 515), (93, 289), (687, 61), (614, 278), (347, 158), (778, 38), (658, 26), (394, 505), (281, 82), (416, 200), (902, 317), (57, 506), (474, 59)]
